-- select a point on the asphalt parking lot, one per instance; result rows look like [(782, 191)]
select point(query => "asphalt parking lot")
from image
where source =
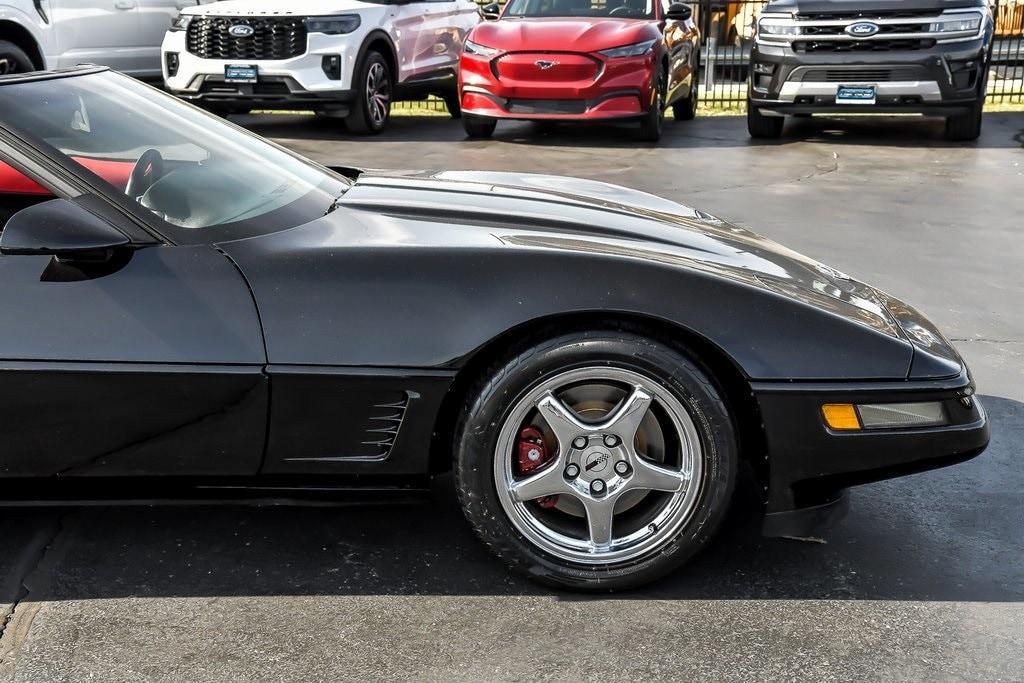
[(923, 580)]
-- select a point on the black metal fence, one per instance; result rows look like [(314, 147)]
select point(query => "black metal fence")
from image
[(727, 27)]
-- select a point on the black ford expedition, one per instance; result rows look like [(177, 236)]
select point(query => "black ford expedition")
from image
[(866, 56)]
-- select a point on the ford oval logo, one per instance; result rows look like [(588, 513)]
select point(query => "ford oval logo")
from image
[(241, 31), (862, 29)]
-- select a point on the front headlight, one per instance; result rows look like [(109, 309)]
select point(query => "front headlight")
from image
[(850, 417), (333, 26), (772, 27), (965, 23), (181, 22), (477, 49), (634, 50)]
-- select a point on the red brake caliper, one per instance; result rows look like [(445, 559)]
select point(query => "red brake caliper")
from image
[(533, 454)]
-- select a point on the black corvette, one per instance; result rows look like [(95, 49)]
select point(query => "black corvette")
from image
[(191, 311)]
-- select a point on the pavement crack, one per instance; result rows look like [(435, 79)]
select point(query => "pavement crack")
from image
[(819, 171), (44, 551)]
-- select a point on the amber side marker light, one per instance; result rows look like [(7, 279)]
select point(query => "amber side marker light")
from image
[(845, 417), (840, 416)]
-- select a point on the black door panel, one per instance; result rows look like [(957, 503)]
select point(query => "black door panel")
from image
[(164, 305), (151, 365), (119, 419)]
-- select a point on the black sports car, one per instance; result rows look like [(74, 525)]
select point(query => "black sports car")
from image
[(192, 311)]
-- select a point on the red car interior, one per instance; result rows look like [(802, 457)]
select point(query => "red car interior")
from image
[(18, 191), (13, 181)]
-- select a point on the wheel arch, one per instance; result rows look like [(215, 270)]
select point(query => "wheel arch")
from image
[(729, 378), (14, 32), (380, 41)]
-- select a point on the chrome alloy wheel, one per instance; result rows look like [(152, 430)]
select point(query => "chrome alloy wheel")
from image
[(626, 455), (7, 66), (378, 93)]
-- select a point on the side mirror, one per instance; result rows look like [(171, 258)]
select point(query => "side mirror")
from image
[(59, 227), (677, 11), (491, 12)]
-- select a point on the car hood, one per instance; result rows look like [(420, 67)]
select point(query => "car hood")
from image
[(867, 5), (529, 211), (249, 8), (578, 35), (573, 213)]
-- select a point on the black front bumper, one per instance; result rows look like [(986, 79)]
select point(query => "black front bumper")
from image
[(950, 79), (810, 465), (271, 92)]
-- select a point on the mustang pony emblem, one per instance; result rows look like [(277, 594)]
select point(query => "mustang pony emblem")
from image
[(545, 64)]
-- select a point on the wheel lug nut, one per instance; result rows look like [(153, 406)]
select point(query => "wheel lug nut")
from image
[(622, 468), (597, 487), (611, 441), (579, 442), (572, 471)]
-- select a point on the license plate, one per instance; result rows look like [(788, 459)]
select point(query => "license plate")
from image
[(855, 94), (241, 73)]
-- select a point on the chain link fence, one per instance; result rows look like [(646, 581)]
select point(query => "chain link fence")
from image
[(727, 27)]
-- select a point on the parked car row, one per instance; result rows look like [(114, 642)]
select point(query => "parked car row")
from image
[(538, 60), (546, 60)]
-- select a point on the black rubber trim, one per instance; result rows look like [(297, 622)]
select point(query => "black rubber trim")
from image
[(808, 521)]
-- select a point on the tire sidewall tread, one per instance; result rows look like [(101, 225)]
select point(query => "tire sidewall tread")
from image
[(494, 397)]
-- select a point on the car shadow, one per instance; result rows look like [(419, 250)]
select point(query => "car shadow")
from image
[(1001, 130), (951, 534)]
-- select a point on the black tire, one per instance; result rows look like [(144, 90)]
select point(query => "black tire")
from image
[(503, 384), (686, 109), (370, 114), (761, 126), (453, 102), (13, 59), (653, 122), (479, 127), (965, 127)]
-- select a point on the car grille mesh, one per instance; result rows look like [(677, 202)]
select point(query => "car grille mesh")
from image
[(866, 15), (862, 45), (883, 29), (873, 75), (272, 38)]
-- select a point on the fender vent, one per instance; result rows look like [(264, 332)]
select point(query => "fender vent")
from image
[(385, 422)]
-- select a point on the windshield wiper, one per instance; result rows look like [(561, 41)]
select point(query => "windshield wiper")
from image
[(336, 202)]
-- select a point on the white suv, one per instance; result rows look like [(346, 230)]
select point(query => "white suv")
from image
[(347, 58), (55, 34)]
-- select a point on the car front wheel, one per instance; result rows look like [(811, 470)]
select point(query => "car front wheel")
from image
[(478, 127), (372, 108), (965, 127), (761, 126), (596, 460), (13, 59), (652, 124)]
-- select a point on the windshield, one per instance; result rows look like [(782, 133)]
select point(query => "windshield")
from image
[(620, 9), (189, 168)]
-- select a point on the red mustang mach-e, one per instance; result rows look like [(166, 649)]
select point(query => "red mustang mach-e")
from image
[(551, 60)]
